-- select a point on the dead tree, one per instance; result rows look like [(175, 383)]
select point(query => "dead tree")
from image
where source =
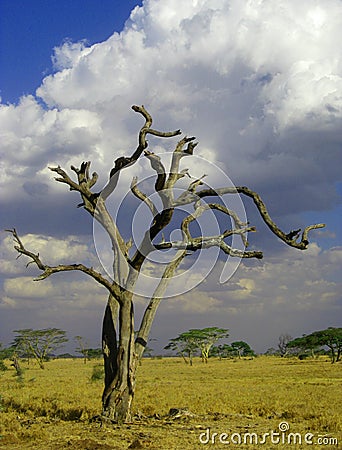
[(122, 349), (284, 340)]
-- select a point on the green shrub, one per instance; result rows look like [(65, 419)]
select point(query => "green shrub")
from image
[(98, 373)]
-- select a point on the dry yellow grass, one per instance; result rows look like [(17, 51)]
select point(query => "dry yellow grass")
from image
[(51, 408)]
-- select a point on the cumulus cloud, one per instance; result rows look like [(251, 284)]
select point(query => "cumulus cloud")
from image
[(294, 292), (288, 60), (52, 251), (63, 293), (25, 287), (290, 281), (252, 79), (258, 82), (32, 136)]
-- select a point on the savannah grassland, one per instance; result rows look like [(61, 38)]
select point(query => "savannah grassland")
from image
[(53, 408)]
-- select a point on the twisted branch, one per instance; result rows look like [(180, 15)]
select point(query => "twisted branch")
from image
[(84, 185), (158, 166), (124, 161), (49, 270), (178, 154), (143, 197), (189, 243), (290, 238), (194, 244), (200, 208)]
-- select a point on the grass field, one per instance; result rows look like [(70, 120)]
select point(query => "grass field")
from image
[(53, 408)]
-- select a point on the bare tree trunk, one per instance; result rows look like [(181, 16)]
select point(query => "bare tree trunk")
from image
[(190, 357), (16, 365), (120, 378), (183, 356), (333, 355), (109, 341), (41, 364)]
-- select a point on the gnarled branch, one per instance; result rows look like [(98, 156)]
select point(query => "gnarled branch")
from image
[(158, 166), (193, 244), (178, 154), (143, 197), (290, 238), (49, 270), (84, 185), (124, 161)]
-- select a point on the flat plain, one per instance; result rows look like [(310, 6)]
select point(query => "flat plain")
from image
[(265, 402)]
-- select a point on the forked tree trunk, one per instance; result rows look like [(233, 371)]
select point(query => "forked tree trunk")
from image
[(41, 364), (120, 363)]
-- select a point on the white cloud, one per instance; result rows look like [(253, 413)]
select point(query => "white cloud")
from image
[(69, 291), (256, 81), (68, 54), (293, 281), (334, 256), (32, 136), (200, 303), (25, 287), (288, 58), (58, 294), (51, 250)]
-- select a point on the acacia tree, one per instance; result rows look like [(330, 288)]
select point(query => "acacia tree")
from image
[(186, 345), (81, 348), (206, 338), (38, 343), (284, 340), (305, 344), (197, 339), (332, 338), (121, 349), (222, 351), (4, 354)]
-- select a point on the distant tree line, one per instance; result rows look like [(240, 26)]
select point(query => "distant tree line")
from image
[(202, 342), (41, 345), (311, 344), (327, 341)]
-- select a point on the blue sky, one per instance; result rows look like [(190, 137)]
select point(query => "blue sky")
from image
[(257, 84), (30, 30)]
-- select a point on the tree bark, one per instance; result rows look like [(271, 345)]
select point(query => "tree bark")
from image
[(333, 356), (109, 341), (41, 364), (120, 378), (16, 365), (190, 357)]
